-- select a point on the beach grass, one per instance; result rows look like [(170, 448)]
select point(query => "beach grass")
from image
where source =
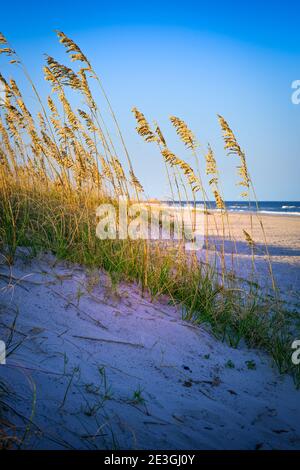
[(58, 167)]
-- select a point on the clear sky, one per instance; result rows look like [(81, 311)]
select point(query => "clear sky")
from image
[(192, 59)]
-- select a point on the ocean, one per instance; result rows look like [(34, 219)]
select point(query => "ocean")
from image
[(265, 207)]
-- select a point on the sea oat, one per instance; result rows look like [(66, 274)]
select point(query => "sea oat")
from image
[(143, 127), (184, 132), (233, 148)]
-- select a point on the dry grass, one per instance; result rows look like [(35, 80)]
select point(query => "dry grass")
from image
[(57, 167)]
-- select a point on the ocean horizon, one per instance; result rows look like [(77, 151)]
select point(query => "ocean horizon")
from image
[(265, 207)]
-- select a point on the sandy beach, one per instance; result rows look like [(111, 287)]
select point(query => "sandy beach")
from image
[(282, 231), (283, 239), (276, 242)]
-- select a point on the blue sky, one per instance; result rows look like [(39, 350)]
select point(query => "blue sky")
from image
[(191, 59)]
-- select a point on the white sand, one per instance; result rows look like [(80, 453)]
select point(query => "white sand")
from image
[(282, 233), (68, 325)]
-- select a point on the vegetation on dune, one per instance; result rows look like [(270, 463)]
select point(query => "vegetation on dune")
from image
[(57, 167)]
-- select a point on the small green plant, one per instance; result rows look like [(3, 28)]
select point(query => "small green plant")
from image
[(107, 393), (93, 279), (92, 410), (137, 397), (79, 293), (229, 364), (92, 388), (251, 365), (76, 370)]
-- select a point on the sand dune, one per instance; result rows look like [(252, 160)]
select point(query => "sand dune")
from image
[(92, 367)]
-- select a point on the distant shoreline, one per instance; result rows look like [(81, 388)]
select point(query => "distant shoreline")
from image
[(287, 208)]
